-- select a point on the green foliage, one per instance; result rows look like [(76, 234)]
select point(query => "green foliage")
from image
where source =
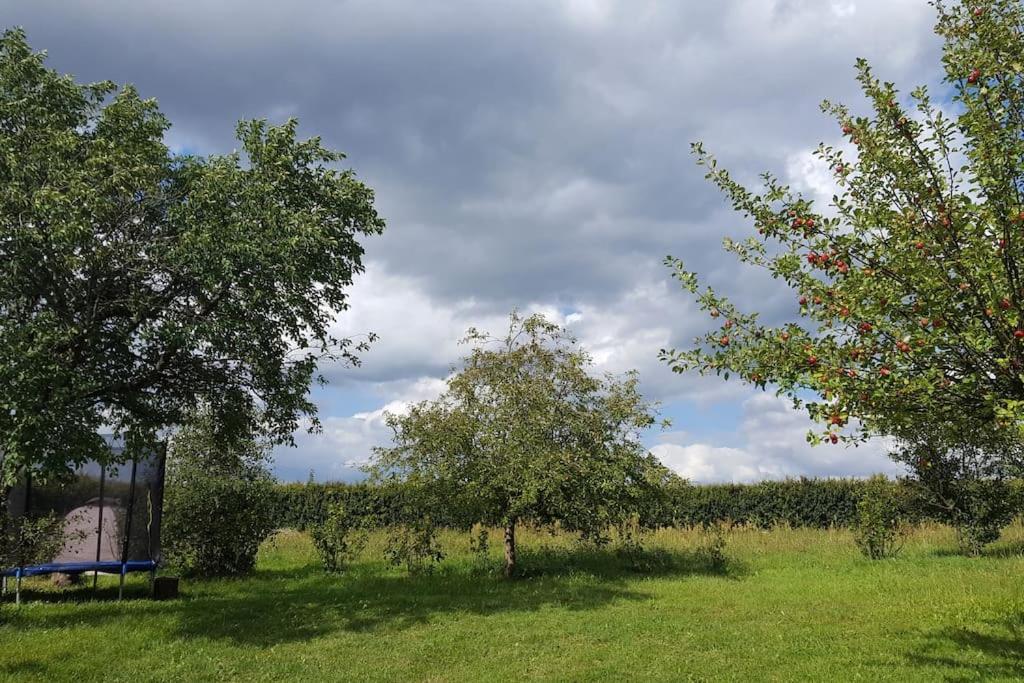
[(305, 505), (630, 548), (28, 540), (816, 503), (880, 528), (480, 550), (812, 503), (960, 485), (136, 283), (986, 510), (414, 545), (908, 287), (711, 547), (339, 538), (218, 501), (524, 431)]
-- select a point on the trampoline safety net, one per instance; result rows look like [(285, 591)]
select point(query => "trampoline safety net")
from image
[(111, 516)]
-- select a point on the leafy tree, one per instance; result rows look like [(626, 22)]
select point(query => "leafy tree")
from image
[(219, 503), (964, 486), (136, 283), (525, 432), (909, 286)]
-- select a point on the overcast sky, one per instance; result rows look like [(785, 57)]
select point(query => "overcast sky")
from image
[(530, 154)]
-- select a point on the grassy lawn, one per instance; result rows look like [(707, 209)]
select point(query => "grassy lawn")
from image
[(791, 605)]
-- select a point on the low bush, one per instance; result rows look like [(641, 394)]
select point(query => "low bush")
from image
[(218, 502), (414, 545), (711, 546), (985, 508), (480, 551), (967, 490), (339, 538), (880, 528), (28, 540)]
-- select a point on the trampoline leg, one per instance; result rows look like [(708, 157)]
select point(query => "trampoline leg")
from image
[(3, 586), (17, 588), (120, 589), (95, 578)]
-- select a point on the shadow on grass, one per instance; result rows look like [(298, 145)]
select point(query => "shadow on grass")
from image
[(105, 592), (278, 606), (265, 610), (1002, 650), (611, 564), (1013, 549)]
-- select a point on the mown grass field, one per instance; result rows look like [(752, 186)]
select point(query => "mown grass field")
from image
[(790, 605)]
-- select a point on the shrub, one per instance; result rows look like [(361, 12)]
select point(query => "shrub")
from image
[(984, 508), (879, 529), (630, 549), (797, 502), (218, 502), (414, 545), (303, 506), (27, 540), (964, 488), (339, 538), (711, 546), (480, 551)]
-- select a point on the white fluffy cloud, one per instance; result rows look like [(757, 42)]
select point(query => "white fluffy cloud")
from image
[(345, 443), (771, 446), (419, 334)]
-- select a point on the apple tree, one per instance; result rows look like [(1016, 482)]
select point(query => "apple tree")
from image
[(908, 298), (526, 433), (137, 283)]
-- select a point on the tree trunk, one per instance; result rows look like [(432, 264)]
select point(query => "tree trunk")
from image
[(510, 548)]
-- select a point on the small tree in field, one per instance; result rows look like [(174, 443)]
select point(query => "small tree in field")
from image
[(137, 283), (879, 529), (525, 432), (909, 290)]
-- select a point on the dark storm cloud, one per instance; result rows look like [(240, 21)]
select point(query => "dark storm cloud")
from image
[(508, 107)]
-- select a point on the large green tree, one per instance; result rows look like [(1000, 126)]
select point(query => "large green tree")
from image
[(525, 432), (137, 283), (909, 286)]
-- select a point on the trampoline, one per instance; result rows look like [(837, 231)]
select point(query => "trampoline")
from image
[(111, 518)]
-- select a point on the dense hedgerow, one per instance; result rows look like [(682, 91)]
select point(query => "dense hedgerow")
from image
[(814, 503), (304, 506)]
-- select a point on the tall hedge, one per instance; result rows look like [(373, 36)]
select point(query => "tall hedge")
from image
[(799, 502), (302, 506), (816, 503)]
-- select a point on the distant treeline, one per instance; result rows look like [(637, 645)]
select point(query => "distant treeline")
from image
[(817, 503)]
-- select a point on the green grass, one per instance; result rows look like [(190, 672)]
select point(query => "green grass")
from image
[(790, 605)]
